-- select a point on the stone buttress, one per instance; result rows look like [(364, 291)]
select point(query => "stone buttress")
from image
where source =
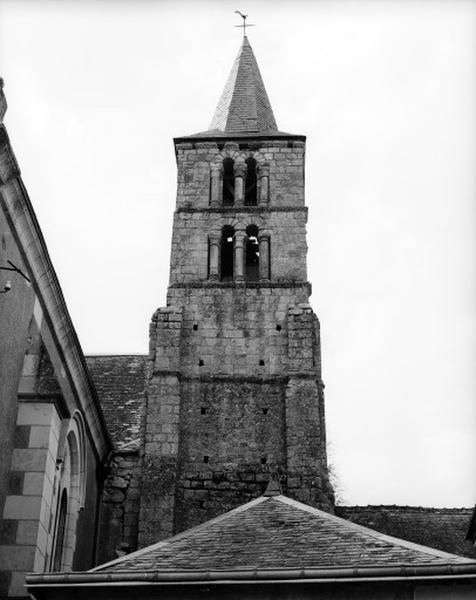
[(234, 393)]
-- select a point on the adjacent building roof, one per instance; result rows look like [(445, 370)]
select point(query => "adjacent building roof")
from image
[(270, 540), (120, 384), (278, 533), (441, 528)]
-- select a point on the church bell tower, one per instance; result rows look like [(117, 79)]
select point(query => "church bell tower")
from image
[(234, 394)]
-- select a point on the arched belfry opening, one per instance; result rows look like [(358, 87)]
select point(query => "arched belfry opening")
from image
[(251, 183), (252, 254), (227, 253), (228, 182)]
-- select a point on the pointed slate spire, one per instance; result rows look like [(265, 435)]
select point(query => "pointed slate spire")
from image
[(244, 106)]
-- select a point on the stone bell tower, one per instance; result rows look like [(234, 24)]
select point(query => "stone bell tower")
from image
[(234, 391)]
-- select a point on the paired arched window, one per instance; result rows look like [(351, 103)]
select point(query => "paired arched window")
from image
[(242, 256), (247, 191)]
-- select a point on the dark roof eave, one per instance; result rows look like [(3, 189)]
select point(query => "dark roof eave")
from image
[(304, 575), (236, 137)]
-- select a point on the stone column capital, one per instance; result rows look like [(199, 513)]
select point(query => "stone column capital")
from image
[(214, 239), (263, 170), (239, 169), (240, 237), (216, 170)]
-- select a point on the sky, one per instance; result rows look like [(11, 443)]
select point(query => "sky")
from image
[(385, 93)]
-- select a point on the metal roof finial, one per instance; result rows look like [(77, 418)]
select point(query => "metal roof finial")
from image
[(244, 24)]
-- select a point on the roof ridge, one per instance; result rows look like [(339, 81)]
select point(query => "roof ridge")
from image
[(368, 531)]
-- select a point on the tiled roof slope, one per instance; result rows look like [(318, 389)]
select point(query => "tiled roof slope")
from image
[(120, 383), (278, 533), (244, 106), (441, 528)]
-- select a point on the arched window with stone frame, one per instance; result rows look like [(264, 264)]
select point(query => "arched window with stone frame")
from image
[(71, 485)]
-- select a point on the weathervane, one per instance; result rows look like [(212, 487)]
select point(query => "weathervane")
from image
[(244, 25)]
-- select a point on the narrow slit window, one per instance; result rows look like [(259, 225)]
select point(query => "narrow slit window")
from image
[(227, 253), (60, 532), (251, 183), (228, 182), (252, 253)]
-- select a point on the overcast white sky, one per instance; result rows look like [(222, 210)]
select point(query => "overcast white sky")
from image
[(385, 92)]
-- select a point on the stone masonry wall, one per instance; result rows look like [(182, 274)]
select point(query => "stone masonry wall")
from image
[(229, 329), (120, 506), (235, 390), (232, 436), (234, 395), (159, 470), (281, 214), (287, 231), (285, 160)]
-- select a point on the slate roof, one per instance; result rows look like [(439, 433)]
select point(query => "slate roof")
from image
[(120, 382), (244, 109), (244, 106), (278, 533), (441, 528)]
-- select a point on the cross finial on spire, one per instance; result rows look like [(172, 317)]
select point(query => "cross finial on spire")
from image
[(244, 24)]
